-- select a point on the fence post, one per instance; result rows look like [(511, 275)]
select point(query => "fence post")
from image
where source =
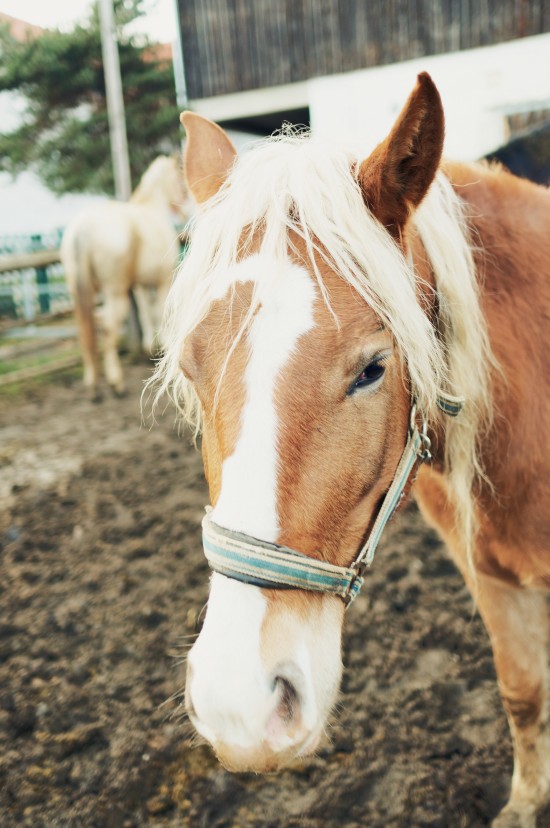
[(41, 277), (27, 295)]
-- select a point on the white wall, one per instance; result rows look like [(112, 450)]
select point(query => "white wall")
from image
[(478, 87)]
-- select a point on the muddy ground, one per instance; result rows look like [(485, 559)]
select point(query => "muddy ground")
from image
[(102, 582)]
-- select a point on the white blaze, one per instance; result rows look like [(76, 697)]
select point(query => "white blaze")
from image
[(231, 689), (228, 678), (248, 496)]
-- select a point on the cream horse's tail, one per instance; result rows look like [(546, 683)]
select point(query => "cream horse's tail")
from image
[(78, 273)]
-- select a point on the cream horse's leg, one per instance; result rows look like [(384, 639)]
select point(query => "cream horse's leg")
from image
[(516, 619), (88, 343), (115, 311), (150, 304), (146, 317)]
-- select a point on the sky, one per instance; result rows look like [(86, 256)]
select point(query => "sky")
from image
[(158, 23)]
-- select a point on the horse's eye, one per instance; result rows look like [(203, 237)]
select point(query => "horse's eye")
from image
[(371, 375)]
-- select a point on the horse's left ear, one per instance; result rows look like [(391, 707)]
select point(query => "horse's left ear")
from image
[(396, 176), (208, 158)]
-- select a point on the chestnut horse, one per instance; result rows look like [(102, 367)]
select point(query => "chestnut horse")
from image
[(114, 247), (333, 312)]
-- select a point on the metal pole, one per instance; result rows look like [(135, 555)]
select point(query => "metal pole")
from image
[(117, 133), (177, 62), (115, 101)]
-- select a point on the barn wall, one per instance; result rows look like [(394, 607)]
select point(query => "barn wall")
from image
[(238, 45)]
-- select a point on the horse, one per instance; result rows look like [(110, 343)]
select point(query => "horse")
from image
[(348, 331), (115, 247)]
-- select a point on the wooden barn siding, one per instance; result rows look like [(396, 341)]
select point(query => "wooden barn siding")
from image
[(236, 45)]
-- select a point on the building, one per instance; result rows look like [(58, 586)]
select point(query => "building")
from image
[(348, 65)]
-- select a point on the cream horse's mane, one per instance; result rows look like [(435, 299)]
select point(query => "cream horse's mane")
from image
[(301, 183), (158, 178)]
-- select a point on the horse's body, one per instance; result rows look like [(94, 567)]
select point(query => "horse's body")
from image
[(302, 344), (113, 248)]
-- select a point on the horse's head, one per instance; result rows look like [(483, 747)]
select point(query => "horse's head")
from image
[(297, 359), (163, 182)]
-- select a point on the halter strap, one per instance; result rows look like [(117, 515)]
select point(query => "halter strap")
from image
[(416, 450), (268, 565)]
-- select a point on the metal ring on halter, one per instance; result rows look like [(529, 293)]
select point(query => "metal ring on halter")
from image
[(424, 450)]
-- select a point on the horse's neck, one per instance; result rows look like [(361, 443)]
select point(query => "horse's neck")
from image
[(509, 219)]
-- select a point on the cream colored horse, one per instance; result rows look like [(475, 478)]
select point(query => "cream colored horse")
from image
[(113, 248)]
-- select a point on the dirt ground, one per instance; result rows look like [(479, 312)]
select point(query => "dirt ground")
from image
[(102, 581)]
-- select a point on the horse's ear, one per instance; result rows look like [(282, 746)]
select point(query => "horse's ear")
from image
[(396, 177), (208, 157)]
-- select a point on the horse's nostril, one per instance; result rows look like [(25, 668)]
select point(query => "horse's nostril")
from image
[(288, 699)]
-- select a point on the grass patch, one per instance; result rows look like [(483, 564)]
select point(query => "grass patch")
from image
[(26, 388), (34, 360)]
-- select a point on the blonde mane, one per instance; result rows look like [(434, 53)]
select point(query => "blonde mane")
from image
[(301, 184)]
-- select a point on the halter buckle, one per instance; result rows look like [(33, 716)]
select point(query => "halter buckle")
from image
[(351, 593), (424, 449)]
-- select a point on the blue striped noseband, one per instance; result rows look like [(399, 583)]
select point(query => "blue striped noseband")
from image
[(271, 566)]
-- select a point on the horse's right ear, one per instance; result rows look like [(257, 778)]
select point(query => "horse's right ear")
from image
[(208, 157)]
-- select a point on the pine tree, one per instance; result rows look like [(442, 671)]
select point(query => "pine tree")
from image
[(64, 134)]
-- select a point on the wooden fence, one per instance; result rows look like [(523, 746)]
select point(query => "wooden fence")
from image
[(31, 277), (32, 284), (24, 261)]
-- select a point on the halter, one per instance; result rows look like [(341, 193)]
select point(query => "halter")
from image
[(270, 566)]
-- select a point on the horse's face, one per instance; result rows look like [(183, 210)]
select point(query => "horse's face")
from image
[(301, 440), (299, 448)]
